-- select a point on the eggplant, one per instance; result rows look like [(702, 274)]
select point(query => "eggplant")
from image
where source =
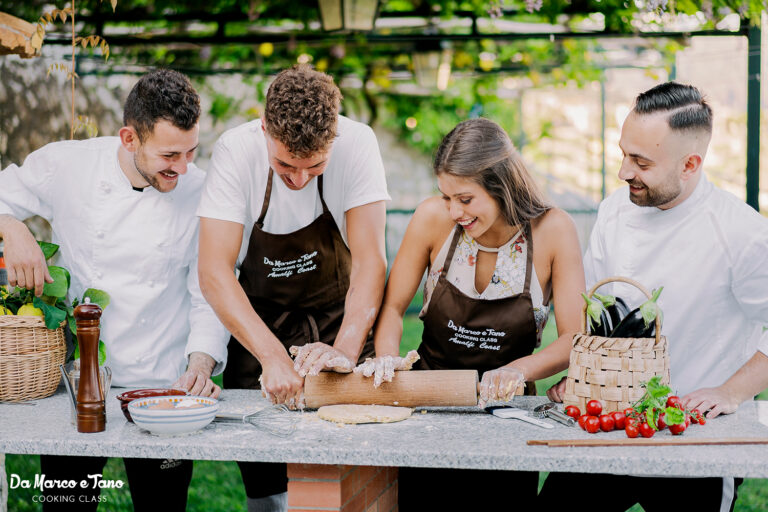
[(599, 321), (640, 322), (615, 306)]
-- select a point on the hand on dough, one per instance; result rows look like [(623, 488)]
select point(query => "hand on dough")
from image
[(313, 358), (383, 368)]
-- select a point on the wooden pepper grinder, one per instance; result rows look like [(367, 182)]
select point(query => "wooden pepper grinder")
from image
[(91, 413)]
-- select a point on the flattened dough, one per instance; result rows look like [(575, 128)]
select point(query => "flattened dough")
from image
[(363, 413)]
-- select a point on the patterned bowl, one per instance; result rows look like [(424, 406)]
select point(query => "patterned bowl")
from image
[(129, 396), (170, 415)]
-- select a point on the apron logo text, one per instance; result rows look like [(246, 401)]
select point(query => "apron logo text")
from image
[(304, 263), (470, 338)]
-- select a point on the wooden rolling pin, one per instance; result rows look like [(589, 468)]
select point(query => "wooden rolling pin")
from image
[(408, 389)]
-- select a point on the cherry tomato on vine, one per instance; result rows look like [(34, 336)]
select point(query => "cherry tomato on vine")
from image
[(674, 401), (594, 408), (646, 430), (632, 431), (592, 424), (629, 412), (695, 416), (582, 421), (619, 419), (677, 429), (631, 421), (687, 420), (661, 423), (573, 411), (606, 423)]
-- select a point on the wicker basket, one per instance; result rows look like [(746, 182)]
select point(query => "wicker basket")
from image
[(611, 369), (30, 355)]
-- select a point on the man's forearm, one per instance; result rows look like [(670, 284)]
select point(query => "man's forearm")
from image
[(366, 289), (230, 303), (9, 223), (749, 380)]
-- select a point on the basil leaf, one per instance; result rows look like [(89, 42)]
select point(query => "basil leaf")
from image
[(60, 285), (48, 249), (99, 297), (674, 416), (102, 353), (53, 316)]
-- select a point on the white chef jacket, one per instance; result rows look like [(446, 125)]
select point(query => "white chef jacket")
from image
[(710, 253), (140, 247)]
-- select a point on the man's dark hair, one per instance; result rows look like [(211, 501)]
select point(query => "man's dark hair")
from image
[(688, 110), (161, 94)]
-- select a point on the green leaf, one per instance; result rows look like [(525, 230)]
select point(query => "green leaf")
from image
[(76, 355), (48, 249), (674, 416), (99, 297), (53, 315), (607, 300), (60, 285), (594, 310), (71, 323), (650, 309), (102, 353)]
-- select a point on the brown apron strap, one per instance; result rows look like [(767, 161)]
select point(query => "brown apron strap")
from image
[(311, 331), (320, 189), (529, 258), (265, 204), (449, 257)]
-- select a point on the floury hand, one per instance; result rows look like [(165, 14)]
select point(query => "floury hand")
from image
[(383, 368)]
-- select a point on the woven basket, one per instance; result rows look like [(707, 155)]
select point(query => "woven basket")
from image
[(30, 355), (611, 369)]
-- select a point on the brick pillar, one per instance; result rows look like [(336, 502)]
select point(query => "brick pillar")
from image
[(314, 487)]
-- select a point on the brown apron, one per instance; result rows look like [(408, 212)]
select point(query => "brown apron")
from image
[(297, 283), (465, 333)]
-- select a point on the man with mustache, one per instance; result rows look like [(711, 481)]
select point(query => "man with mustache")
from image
[(674, 228), (123, 210)]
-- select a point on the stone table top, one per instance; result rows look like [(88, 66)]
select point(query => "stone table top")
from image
[(448, 438)]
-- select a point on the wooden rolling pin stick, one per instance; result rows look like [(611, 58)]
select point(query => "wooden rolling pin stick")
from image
[(414, 388), (648, 442)]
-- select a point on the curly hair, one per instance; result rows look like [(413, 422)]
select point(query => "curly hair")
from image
[(161, 94), (302, 110)]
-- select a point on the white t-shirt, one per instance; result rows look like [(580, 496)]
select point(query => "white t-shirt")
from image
[(140, 247), (710, 254), (237, 180)]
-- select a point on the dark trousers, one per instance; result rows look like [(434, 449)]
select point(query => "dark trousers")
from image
[(439, 489), (262, 479), (155, 484), (617, 493)]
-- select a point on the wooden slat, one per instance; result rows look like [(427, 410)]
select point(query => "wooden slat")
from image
[(675, 441)]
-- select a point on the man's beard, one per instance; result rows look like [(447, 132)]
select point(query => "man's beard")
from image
[(153, 181), (655, 197)]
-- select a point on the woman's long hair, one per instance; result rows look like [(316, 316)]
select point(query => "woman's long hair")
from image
[(480, 150)]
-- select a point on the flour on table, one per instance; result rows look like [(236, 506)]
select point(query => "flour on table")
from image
[(363, 413)]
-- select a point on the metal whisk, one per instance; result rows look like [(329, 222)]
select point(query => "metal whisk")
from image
[(276, 420)]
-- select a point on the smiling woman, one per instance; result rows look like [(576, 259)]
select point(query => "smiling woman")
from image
[(487, 294)]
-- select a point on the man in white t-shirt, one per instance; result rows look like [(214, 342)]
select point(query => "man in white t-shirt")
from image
[(123, 211), (709, 250), (296, 202)]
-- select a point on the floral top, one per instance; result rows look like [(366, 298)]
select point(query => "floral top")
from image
[(508, 277)]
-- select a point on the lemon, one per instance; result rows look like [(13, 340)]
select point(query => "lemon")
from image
[(29, 310), (5, 311)]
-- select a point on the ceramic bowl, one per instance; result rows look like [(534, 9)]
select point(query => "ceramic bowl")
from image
[(162, 414), (129, 396)]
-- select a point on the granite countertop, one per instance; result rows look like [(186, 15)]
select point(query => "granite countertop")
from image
[(450, 437)]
